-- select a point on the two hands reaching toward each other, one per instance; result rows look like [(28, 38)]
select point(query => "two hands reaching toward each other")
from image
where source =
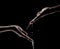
[(22, 33)]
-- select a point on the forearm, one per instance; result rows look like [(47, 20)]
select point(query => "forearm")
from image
[(20, 32)]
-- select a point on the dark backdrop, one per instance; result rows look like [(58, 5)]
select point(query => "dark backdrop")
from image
[(20, 13)]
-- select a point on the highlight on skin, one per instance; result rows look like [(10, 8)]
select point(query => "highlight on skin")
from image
[(22, 33), (40, 12)]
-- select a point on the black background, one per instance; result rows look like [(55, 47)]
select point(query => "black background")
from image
[(45, 30)]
